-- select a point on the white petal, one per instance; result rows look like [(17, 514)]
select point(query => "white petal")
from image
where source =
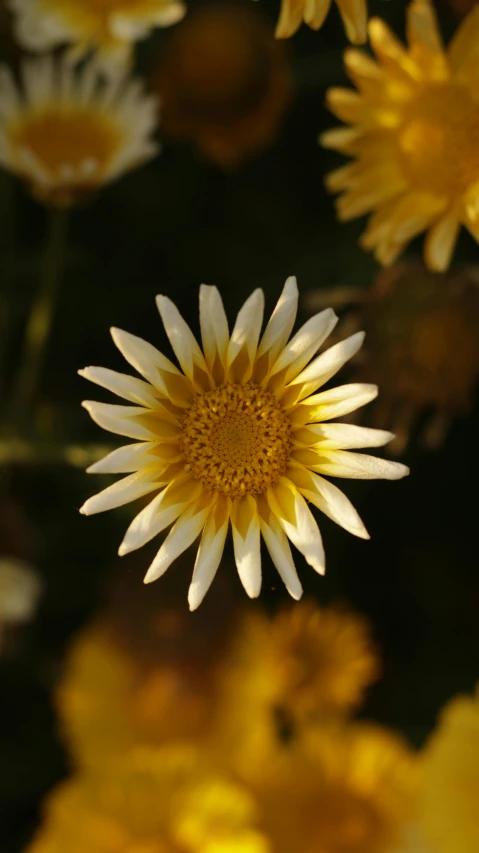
[(281, 322), (248, 552), (344, 436), (149, 522), (330, 500), (182, 339), (328, 363), (341, 400), (305, 535), (280, 553), (181, 536), (120, 493), (441, 241), (124, 460), (247, 328), (208, 559), (128, 387), (360, 466), (305, 343), (122, 420), (144, 357), (214, 324)]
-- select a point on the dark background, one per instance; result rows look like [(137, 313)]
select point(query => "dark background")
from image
[(165, 229)]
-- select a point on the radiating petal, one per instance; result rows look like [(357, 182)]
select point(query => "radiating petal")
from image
[(329, 499), (124, 460), (150, 521), (290, 18), (359, 466), (214, 325), (304, 534), (120, 493), (338, 401), (246, 332), (154, 366), (280, 553), (182, 339), (132, 421), (326, 365), (181, 536), (281, 322), (342, 436), (246, 541), (210, 552), (304, 345), (355, 18), (128, 387)]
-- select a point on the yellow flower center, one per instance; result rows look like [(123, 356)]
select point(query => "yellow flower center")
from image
[(76, 138), (439, 140), (236, 439)]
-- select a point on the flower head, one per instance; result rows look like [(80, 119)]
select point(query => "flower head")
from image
[(414, 137), (313, 12), (450, 779), (224, 83), (111, 26), (67, 133), (238, 437)]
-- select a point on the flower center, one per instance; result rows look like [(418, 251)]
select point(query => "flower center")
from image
[(439, 140), (68, 140), (236, 439)]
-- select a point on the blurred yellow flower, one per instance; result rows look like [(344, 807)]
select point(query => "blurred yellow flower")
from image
[(109, 26), (224, 83), (335, 789), (304, 663), (67, 133), (415, 125), (110, 700), (163, 801), (313, 12), (236, 438), (450, 785)]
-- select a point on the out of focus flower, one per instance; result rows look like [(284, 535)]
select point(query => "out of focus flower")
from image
[(450, 779), (238, 437), (224, 83), (305, 663), (67, 133), (414, 129), (20, 589), (163, 801), (336, 789), (111, 700), (111, 27), (313, 12), (422, 347)]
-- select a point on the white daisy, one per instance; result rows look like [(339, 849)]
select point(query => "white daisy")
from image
[(237, 437)]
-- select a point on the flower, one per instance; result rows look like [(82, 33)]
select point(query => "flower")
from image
[(111, 27), (67, 134), (237, 438), (153, 801), (224, 83), (313, 12), (450, 779), (304, 662), (415, 125)]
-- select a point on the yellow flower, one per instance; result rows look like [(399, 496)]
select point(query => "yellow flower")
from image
[(152, 801), (237, 438), (110, 700), (303, 662), (450, 787), (109, 26), (414, 137), (313, 12), (67, 134)]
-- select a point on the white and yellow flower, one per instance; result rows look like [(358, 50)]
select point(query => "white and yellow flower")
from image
[(236, 437), (67, 132), (111, 26)]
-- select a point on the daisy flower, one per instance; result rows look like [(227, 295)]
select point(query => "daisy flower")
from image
[(111, 27), (313, 12), (414, 134), (236, 437), (67, 133)]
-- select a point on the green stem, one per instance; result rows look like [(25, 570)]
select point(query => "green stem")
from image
[(41, 317)]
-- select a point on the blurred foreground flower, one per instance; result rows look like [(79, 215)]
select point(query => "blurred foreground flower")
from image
[(306, 663), (415, 124), (68, 133), (164, 801), (422, 347), (224, 83), (237, 437), (450, 785), (110, 26), (313, 12)]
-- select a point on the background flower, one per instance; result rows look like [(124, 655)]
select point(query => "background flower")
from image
[(313, 12)]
